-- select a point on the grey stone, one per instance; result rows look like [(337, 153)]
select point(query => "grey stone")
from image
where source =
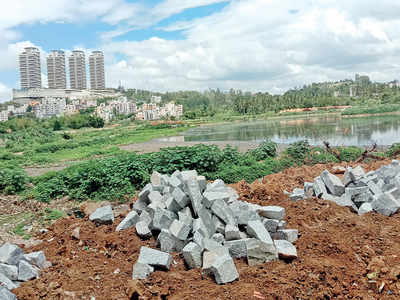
[(282, 224), (395, 193), (216, 185), (212, 245), (374, 188), (188, 175), (163, 218), (143, 230), (286, 250), (271, 225), (141, 271), (172, 205), (167, 192), (180, 197), (209, 258), (259, 252), (10, 271), (218, 237), (198, 226), (357, 173), (243, 235), (354, 191), (155, 196), (4, 281), (198, 239), (333, 183), (192, 253), (168, 243), (145, 217), (344, 200), (219, 225), (233, 195), (386, 205), (155, 178), (26, 271), (272, 212), (5, 294), (232, 233), (237, 248), (347, 178), (246, 215), (309, 189), (202, 182), (362, 198), (154, 258), (319, 187), (193, 191), (297, 195), (186, 217), (175, 182), (211, 196), (37, 258), (103, 215), (290, 235), (10, 254), (129, 221), (365, 208), (143, 195), (207, 220), (224, 270), (223, 211), (179, 230), (257, 230)]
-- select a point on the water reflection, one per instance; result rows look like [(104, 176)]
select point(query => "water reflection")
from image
[(383, 130)]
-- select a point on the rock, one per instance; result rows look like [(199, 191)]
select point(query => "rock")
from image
[(271, 225), (219, 225), (202, 182), (168, 243), (198, 238), (143, 230), (259, 252), (224, 270), (26, 271), (357, 173), (333, 184), (188, 175), (129, 221), (209, 258), (290, 235), (355, 191), (297, 195), (5, 281), (89, 207), (185, 216), (10, 271), (216, 185), (233, 195), (154, 258), (374, 188), (175, 182), (121, 210), (155, 178), (338, 170), (232, 233), (10, 254), (76, 233), (172, 205), (37, 259), (141, 271), (218, 237), (155, 196), (193, 191), (257, 230), (212, 245), (286, 250), (146, 218), (5, 294), (319, 187), (309, 189), (223, 211), (245, 215), (281, 225), (272, 212), (237, 248), (180, 197), (198, 226), (386, 205), (103, 215), (192, 255), (365, 208), (163, 218), (211, 196), (207, 222), (179, 230)]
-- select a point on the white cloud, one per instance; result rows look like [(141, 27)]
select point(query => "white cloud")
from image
[(5, 93)]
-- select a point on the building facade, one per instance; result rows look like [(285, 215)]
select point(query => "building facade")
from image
[(29, 68), (77, 70), (96, 67), (56, 74)]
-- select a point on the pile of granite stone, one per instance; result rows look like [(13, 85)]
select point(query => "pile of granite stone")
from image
[(364, 192), (17, 267), (206, 223)]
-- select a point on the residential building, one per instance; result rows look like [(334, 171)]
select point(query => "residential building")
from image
[(96, 67), (29, 68), (77, 70), (56, 75), (50, 107), (156, 99), (3, 116)]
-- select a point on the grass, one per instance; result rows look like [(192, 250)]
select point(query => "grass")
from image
[(53, 214), (376, 109)]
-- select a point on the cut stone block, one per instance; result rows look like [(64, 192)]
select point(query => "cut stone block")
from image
[(143, 195), (309, 189), (237, 248), (185, 217), (224, 270), (211, 245), (10, 271), (6, 282), (175, 182), (272, 212), (259, 252), (198, 226), (188, 175), (298, 195), (198, 239), (219, 225), (202, 182), (143, 230), (233, 195), (172, 205), (286, 250), (354, 191), (223, 211), (179, 230), (193, 191), (207, 221), (216, 185), (290, 235), (209, 258), (395, 193), (180, 197), (103, 215), (5, 294), (333, 183), (374, 188), (246, 215), (319, 187), (218, 237), (271, 225), (362, 198), (232, 233), (37, 259), (357, 173), (10, 254), (192, 253), (155, 196), (386, 205), (154, 258), (145, 217), (155, 178), (26, 271), (163, 218), (129, 221), (257, 230), (141, 271), (282, 224), (211, 197), (168, 243), (365, 208)]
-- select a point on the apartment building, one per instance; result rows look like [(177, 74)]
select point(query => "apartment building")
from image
[(56, 74), (29, 68), (96, 67), (77, 70)]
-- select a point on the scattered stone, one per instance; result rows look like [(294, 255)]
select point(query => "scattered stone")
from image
[(207, 222), (386, 205), (333, 183), (309, 189), (319, 187), (365, 208), (271, 225), (232, 233), (143, 230), (297, 195), (223, 211), (103, 215), (211, 196), (154, 258), (218, 237), (5, 281), (195, 196), (129, 221), (163, 218), (237, 248), (179, 230), (285, 249), (257, 230), (290, 235), (168, 243), (10, 271), (141, 271), (146, 218), (272, 212), (37, 259), (224, 270), (155, 178), (76, 233), (26, 271), (202, 182), (188, 175), (192, 255), (5, 294), (259, 252), (10, 254)]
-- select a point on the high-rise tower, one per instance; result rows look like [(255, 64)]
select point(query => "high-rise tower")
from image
[(77, 70), (56, 75), (96, 67), (29, 68)]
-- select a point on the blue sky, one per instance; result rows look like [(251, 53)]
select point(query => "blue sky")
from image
[(256, 45)]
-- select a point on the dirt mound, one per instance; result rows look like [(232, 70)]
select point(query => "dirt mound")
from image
[(337, 249)]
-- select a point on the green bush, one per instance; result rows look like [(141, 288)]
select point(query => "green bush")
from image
[(393, 150), (350, 153), (298, 151), (12, 180), (319, 155), (264, 150), (231, 155)]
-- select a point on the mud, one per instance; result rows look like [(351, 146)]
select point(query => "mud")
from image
[(337, 249)]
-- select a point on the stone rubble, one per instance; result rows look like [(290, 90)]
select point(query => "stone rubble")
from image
[(17, 267), (206, 223), (377, 191)]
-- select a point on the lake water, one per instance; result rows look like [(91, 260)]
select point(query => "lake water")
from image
[(384, 130)]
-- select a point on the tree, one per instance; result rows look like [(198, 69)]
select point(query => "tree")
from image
[(56, 125)]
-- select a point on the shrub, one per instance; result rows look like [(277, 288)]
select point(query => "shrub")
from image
[(231, 155), (264, 150), (393, 150), (350, 153), (298, 151), (12, 180)]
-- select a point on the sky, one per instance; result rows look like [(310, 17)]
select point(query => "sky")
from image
[(170, 45)]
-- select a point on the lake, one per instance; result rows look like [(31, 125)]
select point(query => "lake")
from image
[(338, 130)]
